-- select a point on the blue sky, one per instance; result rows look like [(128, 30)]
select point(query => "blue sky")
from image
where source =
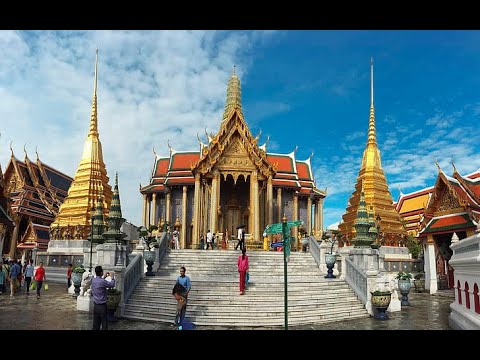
[(305, 88)]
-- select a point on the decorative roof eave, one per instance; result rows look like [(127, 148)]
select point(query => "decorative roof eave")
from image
[(461, 180), (448, 228)]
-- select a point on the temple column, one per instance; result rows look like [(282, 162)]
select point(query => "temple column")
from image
[(309, 216), (214, 203), (430, 266), (14, 239), (154, 212), (279, 204), (295, 216), (168, 209), (144, 212), (269, 204), (149, 214), (315, 218), (196, 212), (251, 215), (256, 204), (183, 234), (320, 216), (205, 209)]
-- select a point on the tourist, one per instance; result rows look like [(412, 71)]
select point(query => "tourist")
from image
[(40, 278), (242, 264), (29, 270), (225, 240), (175, 235), (209, 240), (69, 275), (15, 271), (180, 290), (239, 238), (202, 242), (99, 292), (3, 277)]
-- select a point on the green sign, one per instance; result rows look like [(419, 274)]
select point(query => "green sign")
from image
[(274, 229), (295, 223)]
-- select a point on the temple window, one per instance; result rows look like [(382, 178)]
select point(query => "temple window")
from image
[(467, 296), (476, 299), (459, 292)]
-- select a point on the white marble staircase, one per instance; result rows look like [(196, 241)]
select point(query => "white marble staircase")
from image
[(215, 300)]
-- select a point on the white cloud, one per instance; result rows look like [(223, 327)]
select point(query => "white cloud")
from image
[(153, 86)]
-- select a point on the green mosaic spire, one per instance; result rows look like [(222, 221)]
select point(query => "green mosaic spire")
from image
[(115, 219), (98, 222), (362, 224)]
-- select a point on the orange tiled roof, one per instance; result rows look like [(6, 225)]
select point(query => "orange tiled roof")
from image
[(303, 171), (285, 163), (162, 167), (182, 161)]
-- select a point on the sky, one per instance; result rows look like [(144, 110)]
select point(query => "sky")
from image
[(305, 88)]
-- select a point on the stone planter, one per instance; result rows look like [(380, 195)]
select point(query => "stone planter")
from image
[(77, 282), (113, 300), (419, 285), (330, 260), (404, 286), (149, 257), (381, 302)]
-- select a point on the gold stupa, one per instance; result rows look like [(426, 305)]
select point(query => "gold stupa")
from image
[(377, 195), (89, 184)]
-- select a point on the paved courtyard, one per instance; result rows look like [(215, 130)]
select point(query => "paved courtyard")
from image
[(56, 310)]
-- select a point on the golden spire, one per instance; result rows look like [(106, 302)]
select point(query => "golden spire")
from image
[(372, 182), (93, 116), (234, 95), (91, 181), (372, 136)]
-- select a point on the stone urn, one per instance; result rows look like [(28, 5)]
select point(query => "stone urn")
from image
[(149, 257), (404, 286), (77, 274), (330, 260), (380, 300), (113, 300)]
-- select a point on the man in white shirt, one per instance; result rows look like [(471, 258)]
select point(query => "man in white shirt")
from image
[(209, 239)]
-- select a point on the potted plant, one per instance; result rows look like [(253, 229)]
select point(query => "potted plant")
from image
[(113, 300), (330, 257), (419, 282), (380, 300), (77, 273), (404, 285)]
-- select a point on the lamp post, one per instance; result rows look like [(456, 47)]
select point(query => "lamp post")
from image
[(91, 240)]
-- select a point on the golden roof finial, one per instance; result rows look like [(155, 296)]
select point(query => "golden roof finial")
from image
[(234, 68), (453, 165), (154, 153), (25, 150), (36, 152), (11, 142), (234, 95), (93, 116), (438, 165), (371, 81), (372, 136)]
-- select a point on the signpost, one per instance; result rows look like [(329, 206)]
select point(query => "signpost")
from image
[(284, 229)]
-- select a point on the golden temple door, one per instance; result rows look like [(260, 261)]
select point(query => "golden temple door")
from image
[(233, 220)]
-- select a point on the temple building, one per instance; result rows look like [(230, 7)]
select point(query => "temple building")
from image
[(35, 192), (90, 183), (377, 195), (448, 211), (411, 208), (6, 222), (229, 182)]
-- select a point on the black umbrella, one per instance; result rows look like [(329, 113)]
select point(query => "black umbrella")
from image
[(240, 226)]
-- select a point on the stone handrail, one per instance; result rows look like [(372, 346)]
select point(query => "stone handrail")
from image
[(357, 279), (132, 276), (315, 249)]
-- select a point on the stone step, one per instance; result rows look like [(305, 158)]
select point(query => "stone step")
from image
[(260, 302), (251, 322)]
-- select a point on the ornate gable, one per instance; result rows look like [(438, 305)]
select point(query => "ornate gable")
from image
[(444, 200), (233, 147), (13, 178)]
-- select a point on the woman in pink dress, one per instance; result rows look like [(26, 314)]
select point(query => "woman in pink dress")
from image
[(242, 264)]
